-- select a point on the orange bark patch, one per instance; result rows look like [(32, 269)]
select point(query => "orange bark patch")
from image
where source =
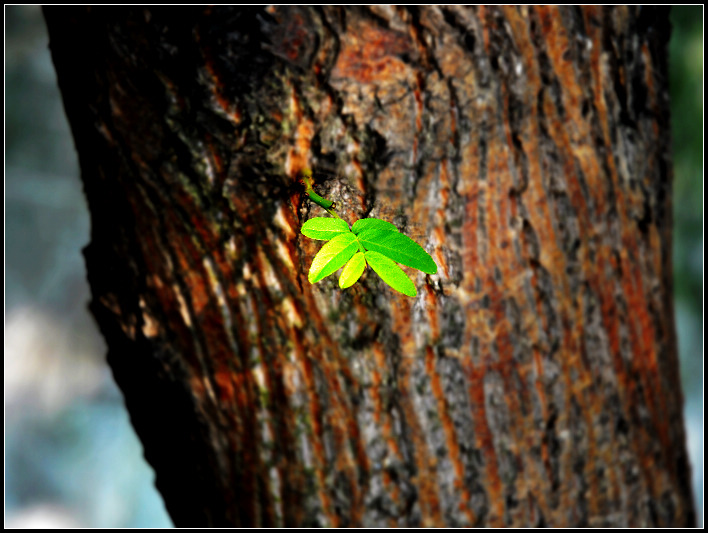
[(298, 155), (453, 445), (369, 54), (218, 91), (485, 443)]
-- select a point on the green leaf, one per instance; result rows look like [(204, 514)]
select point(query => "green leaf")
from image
[(372, 223), (324, 228), (398, 247), (332, 256), (390, 272), (352, 271)]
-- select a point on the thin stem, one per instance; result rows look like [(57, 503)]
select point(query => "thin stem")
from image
[(327, 205), (331, 212)]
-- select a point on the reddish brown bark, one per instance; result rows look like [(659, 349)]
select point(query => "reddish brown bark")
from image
[(533, 381)]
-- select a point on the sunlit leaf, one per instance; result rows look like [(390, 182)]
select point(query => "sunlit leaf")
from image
[(390, 272), (372, 223), (369, 241), (352, 271), (324, 228), (332, 256), (399, 248)]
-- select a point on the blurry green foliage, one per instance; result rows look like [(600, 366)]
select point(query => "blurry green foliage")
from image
[(686, 85)]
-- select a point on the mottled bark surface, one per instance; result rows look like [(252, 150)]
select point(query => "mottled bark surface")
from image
[(533, 381)]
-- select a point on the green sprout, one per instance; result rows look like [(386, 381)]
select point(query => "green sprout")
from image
[(369, 241)]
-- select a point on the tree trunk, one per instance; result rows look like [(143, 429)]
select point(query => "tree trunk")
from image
[(533, 380)]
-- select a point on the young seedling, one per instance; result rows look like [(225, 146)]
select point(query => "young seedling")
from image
[(370, 241)]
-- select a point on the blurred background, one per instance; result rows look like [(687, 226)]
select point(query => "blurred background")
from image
[(71, 456)]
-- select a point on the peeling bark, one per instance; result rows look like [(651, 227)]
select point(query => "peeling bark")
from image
[(533, 381)]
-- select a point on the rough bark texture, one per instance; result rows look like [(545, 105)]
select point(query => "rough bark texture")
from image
[(533, 381)]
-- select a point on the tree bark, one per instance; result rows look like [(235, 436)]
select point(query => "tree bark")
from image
[(533, 380)]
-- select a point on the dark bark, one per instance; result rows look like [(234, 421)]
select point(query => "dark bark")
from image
[(533, 381)]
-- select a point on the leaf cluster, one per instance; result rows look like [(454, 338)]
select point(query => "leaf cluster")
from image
[(370, 241)]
